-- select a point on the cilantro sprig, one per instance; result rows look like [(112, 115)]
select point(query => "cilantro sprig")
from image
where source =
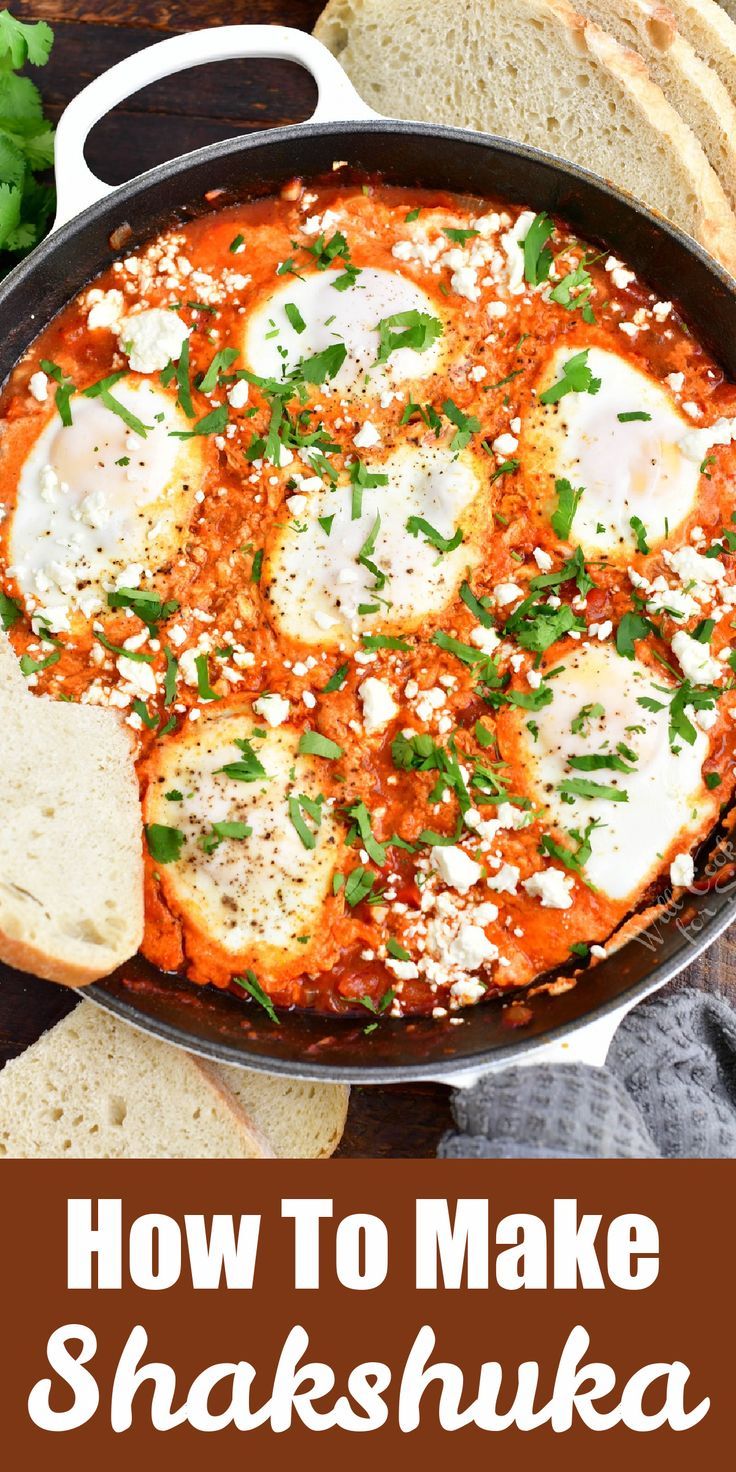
[(26, 140)]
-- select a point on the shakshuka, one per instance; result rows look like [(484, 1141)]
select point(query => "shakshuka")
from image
[(402, 533)]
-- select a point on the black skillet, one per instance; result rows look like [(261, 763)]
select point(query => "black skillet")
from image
[(96, 225)]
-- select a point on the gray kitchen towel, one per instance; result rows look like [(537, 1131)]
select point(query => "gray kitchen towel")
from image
[(668, 1090)]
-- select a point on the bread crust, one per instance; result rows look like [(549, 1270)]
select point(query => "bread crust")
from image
[(718, 223)]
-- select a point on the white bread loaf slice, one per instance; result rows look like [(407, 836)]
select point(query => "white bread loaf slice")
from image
[(709, 28), (534, 71), (94, 1088), (693, 88), (302, 1119), (71, 863)]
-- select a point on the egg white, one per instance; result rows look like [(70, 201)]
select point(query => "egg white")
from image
[(313, 581), (635, 468), (99, 505), (272, 346), (252, 896), (667, 799)]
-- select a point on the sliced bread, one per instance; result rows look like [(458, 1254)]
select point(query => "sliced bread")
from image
[(71, 864), (94, 1088), (302, 1120), (694, 88), (709, 28), (535, 71)]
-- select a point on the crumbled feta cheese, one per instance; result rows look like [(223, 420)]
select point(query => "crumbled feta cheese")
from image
[(512, 242), (552, 887), (106, 309), (273, 708), (484, 639), (38, 386), (152, 339), (238, 394), (542, 559), (507, 593), (505, 444), (464, 281), (137, 674), (691, 567), (505, 881), (379, 706), (682, 869), (470, 948), (697, 442), (455, 868), (695, 659), (367, 436), (676, 382)]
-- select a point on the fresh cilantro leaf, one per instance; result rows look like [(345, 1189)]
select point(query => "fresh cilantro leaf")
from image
[(537, 256), (337, 680), (576, 379), (466, 424), (568, 501), (252, 986), (212, 423), (411, 329), (478, 606), (294, 317), (574, 290), (640, 532), (298, 806), (632, 627), (313, 743), (249, 768), (460, 237), (417, 524), (10, 611), (164, 843), (221, 361)]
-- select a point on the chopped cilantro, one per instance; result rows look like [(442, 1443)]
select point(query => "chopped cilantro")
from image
[(568, 501), (10, 611), (466, 425), (164, 843), (537, 256), (249, 768), (576, 379), (313, 743), (411, 329), (252, 986), (417, 524)]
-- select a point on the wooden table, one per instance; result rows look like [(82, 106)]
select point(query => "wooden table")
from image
[(164, 120)]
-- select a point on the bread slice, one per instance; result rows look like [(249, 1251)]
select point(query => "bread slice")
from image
[(94, 1088), (302, 1119), (709, 28), (71, 862), (693, 88), (535, 71)]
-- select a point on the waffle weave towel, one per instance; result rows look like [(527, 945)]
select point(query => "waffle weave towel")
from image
[(668, 1090)]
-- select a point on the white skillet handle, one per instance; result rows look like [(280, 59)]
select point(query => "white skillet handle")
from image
[(76, 185), (588, 1044)]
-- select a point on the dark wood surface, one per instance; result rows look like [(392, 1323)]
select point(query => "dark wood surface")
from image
[(160, 122)]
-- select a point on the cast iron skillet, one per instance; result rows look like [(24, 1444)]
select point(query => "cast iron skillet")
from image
[(581, 1020)]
